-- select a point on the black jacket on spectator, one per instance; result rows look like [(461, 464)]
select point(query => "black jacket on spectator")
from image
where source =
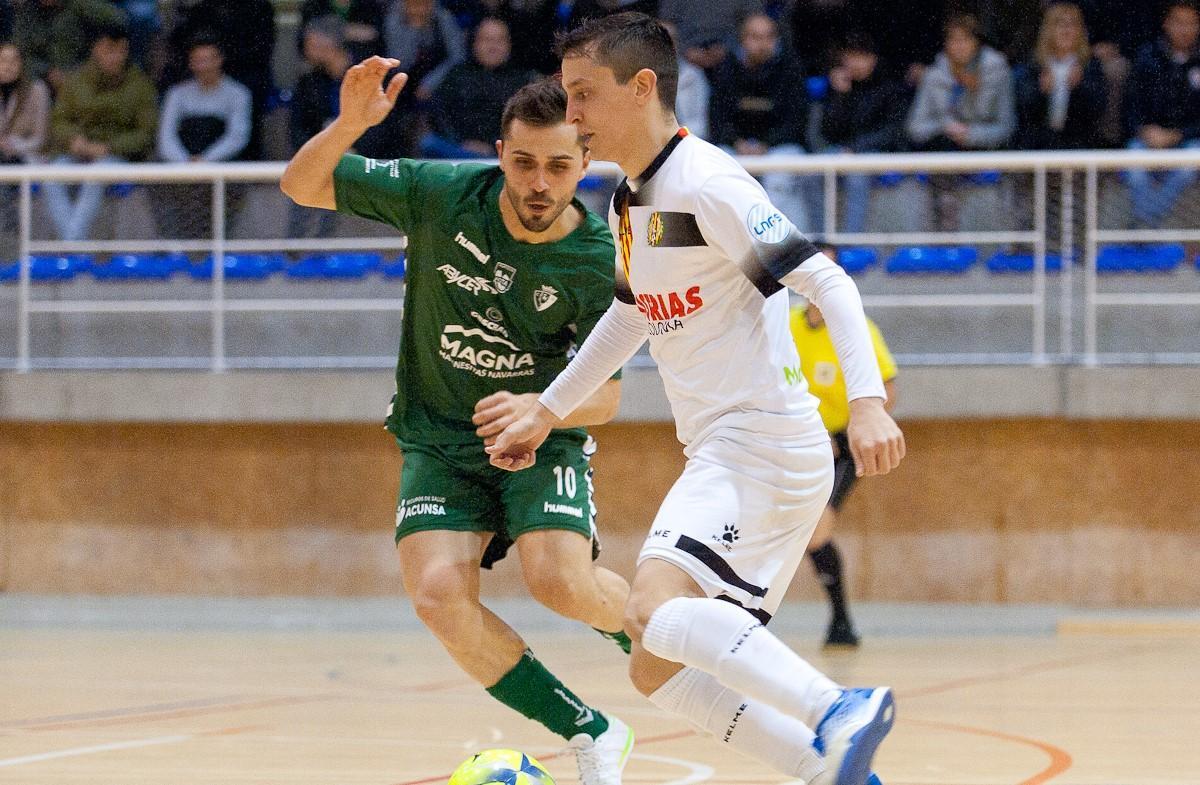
[(245, 30), (868, 118), (1163, 92), (768, 104), (469, 101), (6, 20), (1080, 131)]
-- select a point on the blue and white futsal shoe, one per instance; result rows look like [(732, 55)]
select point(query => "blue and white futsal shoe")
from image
[(850, 732)]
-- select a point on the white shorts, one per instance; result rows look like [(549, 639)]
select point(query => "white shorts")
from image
[(739, 518)]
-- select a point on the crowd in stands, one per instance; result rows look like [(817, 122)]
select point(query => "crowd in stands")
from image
[(129, 80)]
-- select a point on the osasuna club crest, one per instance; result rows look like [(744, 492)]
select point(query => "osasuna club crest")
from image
[(545, 297), (502, 276)]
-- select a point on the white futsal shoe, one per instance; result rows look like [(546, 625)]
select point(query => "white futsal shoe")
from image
[(602, 759)]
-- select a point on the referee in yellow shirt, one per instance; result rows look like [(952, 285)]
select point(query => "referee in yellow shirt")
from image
[(818, 362)]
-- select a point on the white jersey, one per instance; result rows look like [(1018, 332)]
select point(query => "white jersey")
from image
[(705, 259)]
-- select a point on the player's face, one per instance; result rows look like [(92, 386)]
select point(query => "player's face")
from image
[(542, 168), (599, 106)]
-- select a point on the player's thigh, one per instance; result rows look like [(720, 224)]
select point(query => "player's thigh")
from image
[(553, 495), (655, 582), (441, 567), (739, 517), (556, 563)]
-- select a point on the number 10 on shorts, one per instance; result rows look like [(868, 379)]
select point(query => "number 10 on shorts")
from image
[(565, 477)]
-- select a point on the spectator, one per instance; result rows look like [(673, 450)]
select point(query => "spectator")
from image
[(363, 21), (24, 109), (864, 113), (427, 41), (759, 107), (706, 37), (105, 113), (466, 107), (692, 93), (54, 35), (1164, 110), (965, 101), (206, 118), (1061, 95), (144, 26), (245, 31), (315, 105), (24, 112)]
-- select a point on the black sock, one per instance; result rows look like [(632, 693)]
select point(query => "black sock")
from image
[(828, 562)]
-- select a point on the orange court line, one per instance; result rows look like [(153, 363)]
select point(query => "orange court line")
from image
[(1060, 759)]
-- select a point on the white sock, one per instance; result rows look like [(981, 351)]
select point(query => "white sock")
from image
[(750, 727), (722, 639)]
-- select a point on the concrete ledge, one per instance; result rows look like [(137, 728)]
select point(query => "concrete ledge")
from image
[(1119, 392)]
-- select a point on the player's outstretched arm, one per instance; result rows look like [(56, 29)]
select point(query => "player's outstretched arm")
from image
[(876, 442), (501, 409), (364, 102)]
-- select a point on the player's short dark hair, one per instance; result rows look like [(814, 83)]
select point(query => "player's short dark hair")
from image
[(627, 43), (541, 104)]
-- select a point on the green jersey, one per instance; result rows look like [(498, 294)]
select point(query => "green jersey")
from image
[(483, 311)]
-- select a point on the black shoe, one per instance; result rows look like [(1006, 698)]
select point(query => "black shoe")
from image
[(841, 634)]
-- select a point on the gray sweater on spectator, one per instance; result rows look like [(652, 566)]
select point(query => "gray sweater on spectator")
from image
[(227, 104), (989, 111)]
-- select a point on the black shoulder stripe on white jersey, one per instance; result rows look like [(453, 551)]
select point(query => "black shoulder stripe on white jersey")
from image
[(767, 265), (622, 290), (674, 230)]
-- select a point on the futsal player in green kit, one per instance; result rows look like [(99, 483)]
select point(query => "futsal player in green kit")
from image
[(507, 272)]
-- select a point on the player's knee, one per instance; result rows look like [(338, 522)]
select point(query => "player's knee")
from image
[(638, 611), (438, 595), (557, 590)]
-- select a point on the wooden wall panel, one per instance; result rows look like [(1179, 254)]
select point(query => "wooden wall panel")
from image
[(1098, 513)]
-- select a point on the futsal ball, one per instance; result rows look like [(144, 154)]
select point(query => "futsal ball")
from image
[(500, 767)]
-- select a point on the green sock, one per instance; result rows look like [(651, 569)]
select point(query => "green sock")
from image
[(619, 637), (532, 690)]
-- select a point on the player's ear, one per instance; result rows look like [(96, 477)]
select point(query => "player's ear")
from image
[(587, 161), (499, 148), (645, 82)]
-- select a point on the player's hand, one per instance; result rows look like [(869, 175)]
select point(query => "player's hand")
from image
[(498, 411), (516, 446), (875, 440), (364, 100)]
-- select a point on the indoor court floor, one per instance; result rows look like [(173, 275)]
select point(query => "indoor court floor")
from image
[(172, 691)]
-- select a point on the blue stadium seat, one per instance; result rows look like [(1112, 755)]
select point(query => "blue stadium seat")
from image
[(135, 267), (1140, 258), (120, 190), (394, 268), (985, 178), (818, 87), (1003, 262), (10, 272), (892, 179), (63, 267), (932, 260), (857, 260), (593, 182), (334, 265), (246, 267)]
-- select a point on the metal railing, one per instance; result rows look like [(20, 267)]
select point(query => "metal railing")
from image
[(1036, 166)]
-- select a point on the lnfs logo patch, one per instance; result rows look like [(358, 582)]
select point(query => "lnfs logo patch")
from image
[(767, 225)]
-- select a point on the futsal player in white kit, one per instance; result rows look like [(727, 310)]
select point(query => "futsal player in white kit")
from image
[(703, 263)]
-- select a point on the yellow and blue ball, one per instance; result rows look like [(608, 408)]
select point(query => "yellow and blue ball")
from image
[(501, 767)]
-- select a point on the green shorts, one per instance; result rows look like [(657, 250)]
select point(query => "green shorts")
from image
[(455, 489)]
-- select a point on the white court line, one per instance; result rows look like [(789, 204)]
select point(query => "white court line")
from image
[(699, 771), (73, 751)]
